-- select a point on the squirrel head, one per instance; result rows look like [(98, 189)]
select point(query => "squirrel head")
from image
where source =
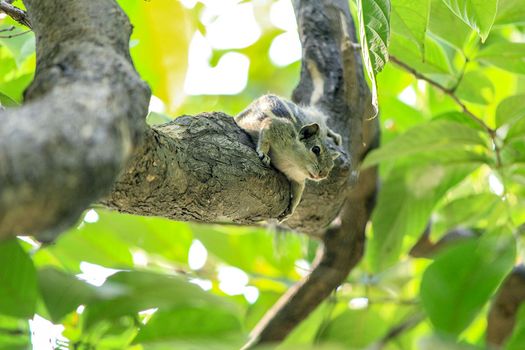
[(317, 157)]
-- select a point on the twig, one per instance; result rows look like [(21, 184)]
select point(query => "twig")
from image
[(400, 328), (14, 35), (15, 13), (450, 92), (10, 29)]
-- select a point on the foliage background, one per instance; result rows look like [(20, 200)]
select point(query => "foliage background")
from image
[(119, 281)]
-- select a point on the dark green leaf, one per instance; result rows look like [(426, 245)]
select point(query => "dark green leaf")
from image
[(479, 15), (462, 279), (18, 286), (374, 29), (374, 18)]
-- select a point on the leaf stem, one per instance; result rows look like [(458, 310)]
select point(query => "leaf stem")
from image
[(450, 92)]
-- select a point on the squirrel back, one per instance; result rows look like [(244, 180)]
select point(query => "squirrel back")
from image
[(296, 137)]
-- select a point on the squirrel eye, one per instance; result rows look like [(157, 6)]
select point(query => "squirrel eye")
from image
[(316, 150)]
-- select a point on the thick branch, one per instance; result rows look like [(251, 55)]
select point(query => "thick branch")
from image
[(504, 309), (83, 118), (15, 13), (331, 78), (205, 169)]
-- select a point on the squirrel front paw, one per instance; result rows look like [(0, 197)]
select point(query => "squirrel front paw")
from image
[(264, 158), (285, 215)]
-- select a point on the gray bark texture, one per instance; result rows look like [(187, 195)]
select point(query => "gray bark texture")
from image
[(81, 138), (82, 120)]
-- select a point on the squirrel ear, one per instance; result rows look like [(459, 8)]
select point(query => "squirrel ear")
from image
[(335, 155), (308, 131)]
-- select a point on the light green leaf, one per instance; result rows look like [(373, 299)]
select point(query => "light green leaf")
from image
[(18, 286), (475, 87), (510, 110), (255, 249), (160, 53), (517, 338), (15, 334), (505, 55), (63, 293), (145, 290), (462, 279), (374, 29), (404, 206), (429, 137), (198, 324), (7, 101), (434, 61), (355, 328), (447, 26), (510, 12), (410, 19), (469, 210), (478, 14)]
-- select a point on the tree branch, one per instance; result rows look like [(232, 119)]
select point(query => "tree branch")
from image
[(83, 118), (502, 314), (331, 78), (15, 13), (450, 92)]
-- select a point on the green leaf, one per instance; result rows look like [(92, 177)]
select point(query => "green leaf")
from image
[(510, 12), (517, 338), (374, 29), (434, 61), (63, 293), (505, 55), (355, 328), (429, 137), (448, 26), (510, 110), (18, 286), (192, 323), (462, 279), (91, 243), (139, 291), (163, 65), (254, 249), (475, 87), (21, 46), (404, 206), (469, 211), (7, 101), (478, 14), (410, 19), (15, 334)]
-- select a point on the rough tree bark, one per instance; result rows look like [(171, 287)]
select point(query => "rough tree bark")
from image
[(82, 119), (81, 138)]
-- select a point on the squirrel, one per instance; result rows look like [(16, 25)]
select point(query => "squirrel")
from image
[(292, 139)]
